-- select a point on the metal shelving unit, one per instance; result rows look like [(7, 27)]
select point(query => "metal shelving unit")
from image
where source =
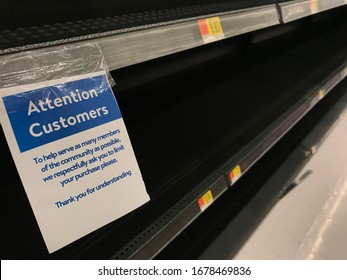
[(216, 182), (283, 180), (201, 175), (187, 209), (142, 43), (145, 42)]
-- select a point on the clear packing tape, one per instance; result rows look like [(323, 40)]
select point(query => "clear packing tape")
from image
[(51, 63)]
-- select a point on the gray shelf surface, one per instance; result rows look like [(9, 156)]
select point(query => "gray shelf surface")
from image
[(153, 41), (294, 10), (134, 45)]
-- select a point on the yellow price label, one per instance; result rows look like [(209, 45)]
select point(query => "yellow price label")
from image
[(235, 174), (211, 29), (321, 94), (314, 6), (206, 200), (214, 26)]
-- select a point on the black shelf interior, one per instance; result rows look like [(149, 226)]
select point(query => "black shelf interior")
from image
[(193, 242), (211, 114), (185, 128)]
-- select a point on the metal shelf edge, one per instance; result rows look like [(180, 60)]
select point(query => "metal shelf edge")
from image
[(244, 161), (294, 10), (125, 49), (214, 183)]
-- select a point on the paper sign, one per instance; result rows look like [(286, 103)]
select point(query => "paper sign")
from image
[(211, 29), (73, 154)]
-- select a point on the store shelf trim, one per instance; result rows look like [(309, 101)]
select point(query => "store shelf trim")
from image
[(294, 10), (133, 47), (281, 128)]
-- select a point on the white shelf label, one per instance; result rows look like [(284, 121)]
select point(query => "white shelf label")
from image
[(73, 153)]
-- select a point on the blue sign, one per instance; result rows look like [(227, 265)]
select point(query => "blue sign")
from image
[(51, 113)]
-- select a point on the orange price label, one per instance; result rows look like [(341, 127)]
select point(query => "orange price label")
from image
[(206, 200), (314, 6), (211, 29), (235, 174)]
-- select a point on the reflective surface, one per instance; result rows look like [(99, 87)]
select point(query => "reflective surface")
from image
[(310, 222)]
